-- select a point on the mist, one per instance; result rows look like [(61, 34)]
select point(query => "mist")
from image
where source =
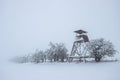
[(27, 25)]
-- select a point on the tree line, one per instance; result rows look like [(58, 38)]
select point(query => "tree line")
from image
[(57, 52)]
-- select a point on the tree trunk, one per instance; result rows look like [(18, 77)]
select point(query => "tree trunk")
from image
[(62, 59), (97, 59)]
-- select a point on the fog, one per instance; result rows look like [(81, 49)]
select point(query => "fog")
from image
[(27, 25)]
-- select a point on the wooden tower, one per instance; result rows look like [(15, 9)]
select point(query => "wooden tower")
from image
[(79, 46)]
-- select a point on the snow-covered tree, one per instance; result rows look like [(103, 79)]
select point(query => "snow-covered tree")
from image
[(98, 48), (57, 52), (38, 57), (61, 51), (49, 54)]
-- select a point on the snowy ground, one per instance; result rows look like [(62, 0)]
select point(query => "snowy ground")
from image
[(60, 71)]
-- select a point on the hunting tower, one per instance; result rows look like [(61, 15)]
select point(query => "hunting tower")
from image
[(79, 46)]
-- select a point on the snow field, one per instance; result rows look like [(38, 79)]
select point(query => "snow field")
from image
[(60, 71)]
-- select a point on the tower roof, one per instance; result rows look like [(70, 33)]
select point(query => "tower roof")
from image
[(80, 31)]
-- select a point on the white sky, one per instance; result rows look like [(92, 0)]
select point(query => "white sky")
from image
[(26, 25)]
